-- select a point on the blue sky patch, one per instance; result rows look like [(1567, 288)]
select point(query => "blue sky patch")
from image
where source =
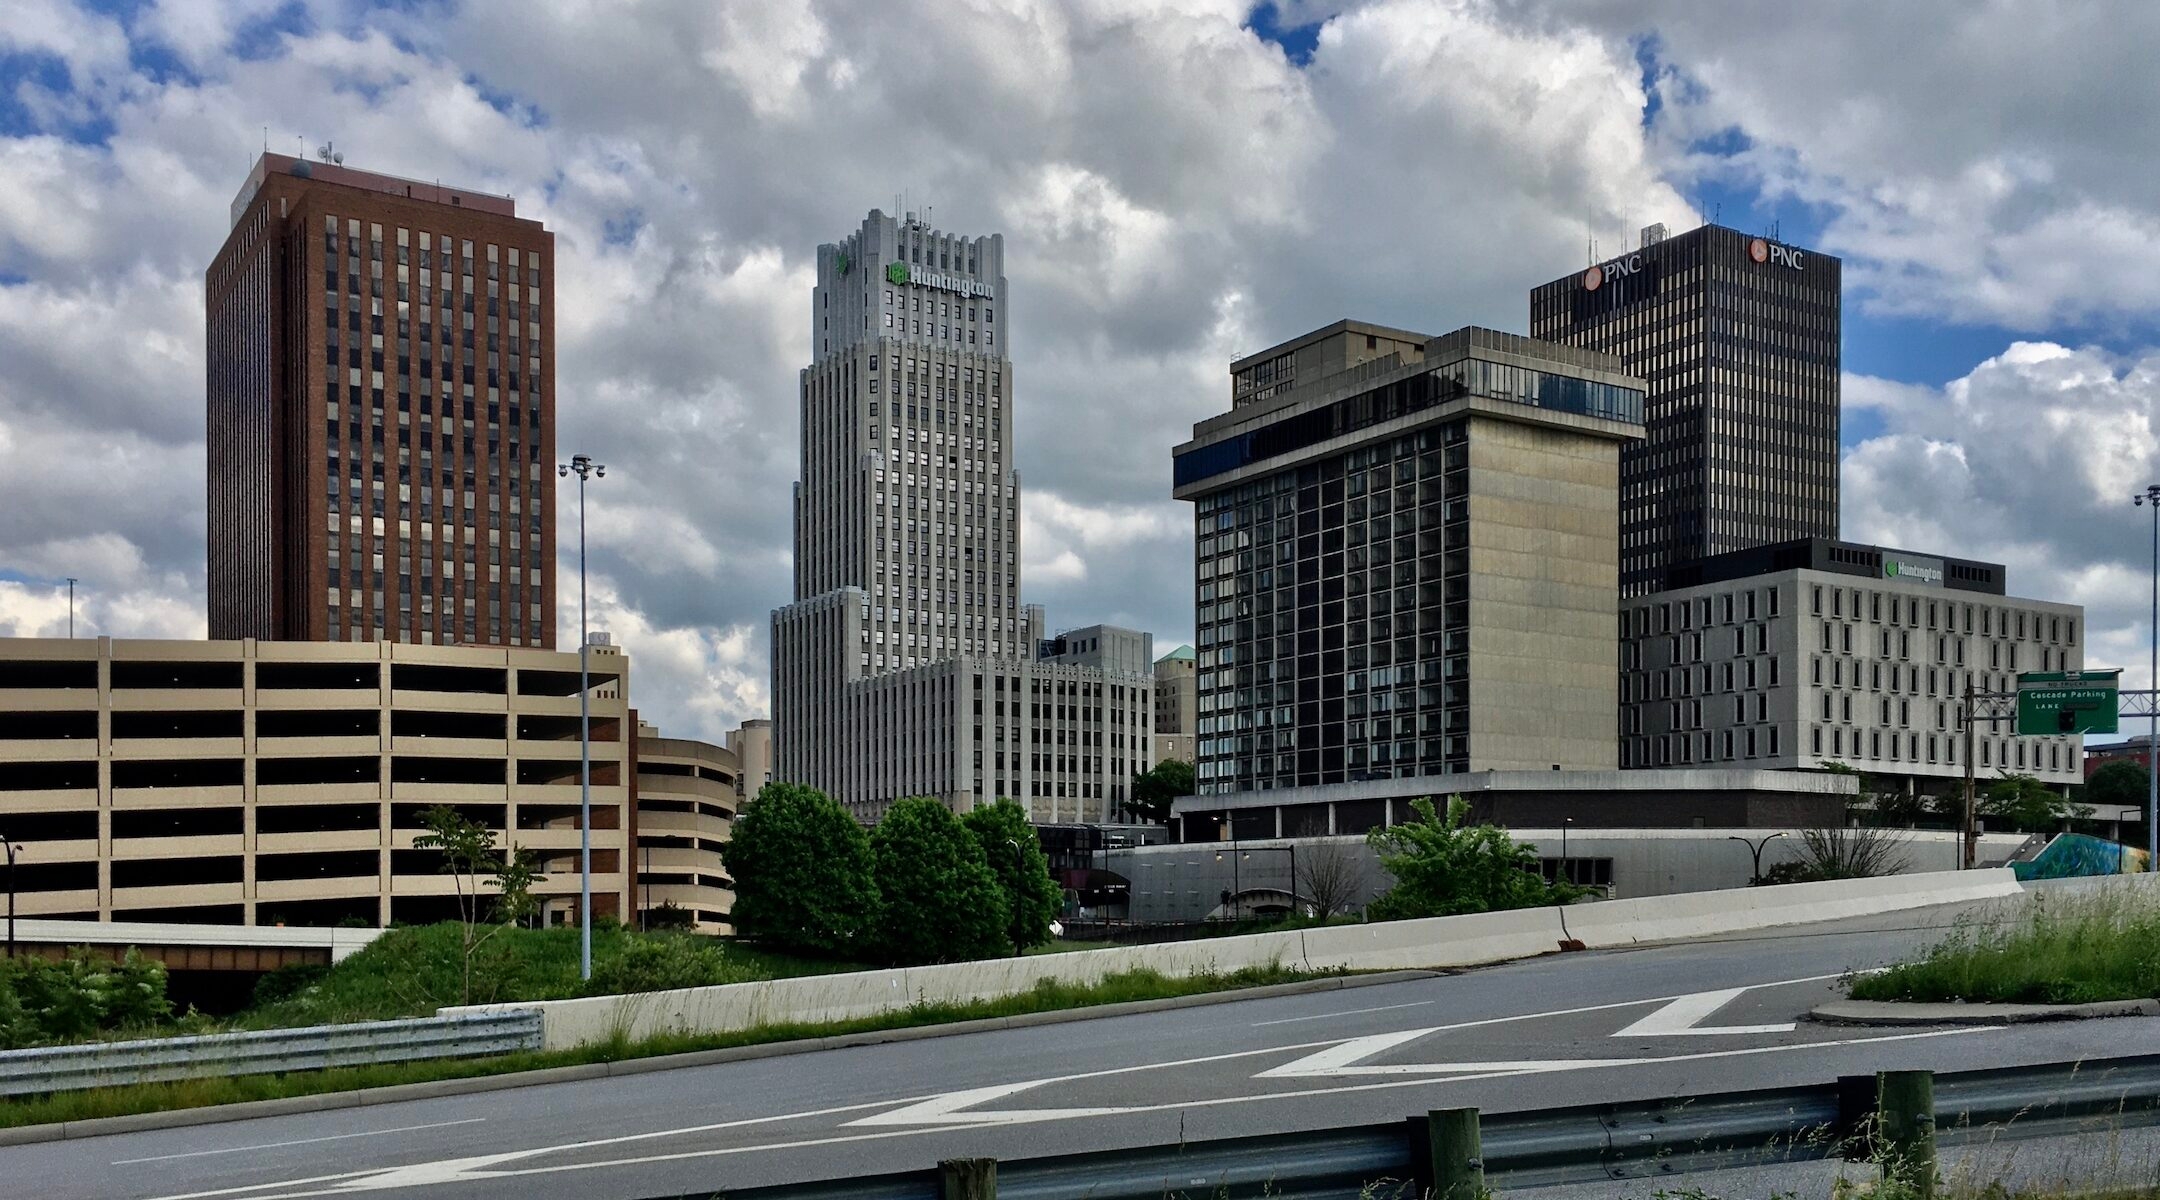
[(1297, 41)]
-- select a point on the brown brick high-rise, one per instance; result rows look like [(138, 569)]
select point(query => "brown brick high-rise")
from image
[(381, 413)]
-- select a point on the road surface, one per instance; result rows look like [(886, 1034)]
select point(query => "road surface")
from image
[(1682, 1019)]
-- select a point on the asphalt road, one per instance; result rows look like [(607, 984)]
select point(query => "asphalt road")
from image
[(1568, 1029)]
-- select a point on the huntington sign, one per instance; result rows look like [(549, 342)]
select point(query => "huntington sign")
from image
[(1907, 568), (899, 273)]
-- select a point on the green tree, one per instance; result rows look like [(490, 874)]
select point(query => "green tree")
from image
[(2026, 803), (1026, 876), (1444, 867), (469, 852), (802, 871), (1154, 789), (941, 901), (2117, 785)]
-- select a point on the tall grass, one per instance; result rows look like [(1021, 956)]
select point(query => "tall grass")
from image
[(2065, 949)]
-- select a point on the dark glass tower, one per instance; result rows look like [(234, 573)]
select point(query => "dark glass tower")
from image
[(1738, 337)]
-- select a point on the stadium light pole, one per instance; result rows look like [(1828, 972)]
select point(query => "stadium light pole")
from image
[(584, 468), (2150, 498)]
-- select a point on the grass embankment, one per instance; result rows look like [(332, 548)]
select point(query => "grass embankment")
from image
[(2079, 949), (1047, 996)]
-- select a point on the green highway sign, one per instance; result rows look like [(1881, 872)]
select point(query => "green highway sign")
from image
[(2060, 702)]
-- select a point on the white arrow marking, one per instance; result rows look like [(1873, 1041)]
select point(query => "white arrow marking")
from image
[(1683, 1016), (941, 1110)]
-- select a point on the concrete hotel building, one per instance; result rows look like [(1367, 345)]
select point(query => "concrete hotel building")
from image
[(381, 389), (246, 782), (1816, 651), (906, 664), (1406, 548), (1737, 337)]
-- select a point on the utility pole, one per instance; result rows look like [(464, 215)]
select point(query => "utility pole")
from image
[(1965, 860), (2150, 497)]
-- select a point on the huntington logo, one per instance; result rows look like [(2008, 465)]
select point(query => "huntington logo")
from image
[(1906, 570), (846, 264), (896, 272)]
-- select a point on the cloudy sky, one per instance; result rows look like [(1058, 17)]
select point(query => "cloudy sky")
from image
[(1178, 182)]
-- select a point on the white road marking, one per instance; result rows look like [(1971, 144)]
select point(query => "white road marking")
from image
[(1685, 1016), (1350, 1012), (948, 1115), (335, 1137)]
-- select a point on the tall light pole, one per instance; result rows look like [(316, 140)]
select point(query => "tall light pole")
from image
[(585, 468), (11, 849), (71, 606), (2150, 497)]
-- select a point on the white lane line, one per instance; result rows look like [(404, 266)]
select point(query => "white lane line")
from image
[(1685, 1016), (1345, 1013), (335, 1137)]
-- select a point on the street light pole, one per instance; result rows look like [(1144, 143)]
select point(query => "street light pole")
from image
[(11, 849), (2150, 497), (71, 607), (585, 468), (1019, 882), (1756, 848)]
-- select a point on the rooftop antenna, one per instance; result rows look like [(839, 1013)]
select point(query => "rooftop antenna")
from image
[(266, 139), (327, 152)]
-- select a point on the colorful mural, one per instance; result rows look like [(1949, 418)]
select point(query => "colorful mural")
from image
[(2072, 854)]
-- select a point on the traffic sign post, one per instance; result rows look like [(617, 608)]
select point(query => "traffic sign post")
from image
[(2067, 702)]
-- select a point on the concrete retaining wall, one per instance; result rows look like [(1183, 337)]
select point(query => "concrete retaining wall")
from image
[(1437, 942)]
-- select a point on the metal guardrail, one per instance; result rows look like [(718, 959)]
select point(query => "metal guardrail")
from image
[(1583, 1144), (267, 1051)]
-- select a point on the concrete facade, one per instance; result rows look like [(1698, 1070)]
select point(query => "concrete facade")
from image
[(243, 782), (1797, 668), (686, 801), (1176, 704), (900, 666), (1401, 568), (751, 744)]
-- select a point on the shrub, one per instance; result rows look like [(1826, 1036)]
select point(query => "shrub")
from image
[(941, 902), (1841, 854), (1444, 867), (802, 871), (657, 963), (288, 981), (81, 996)]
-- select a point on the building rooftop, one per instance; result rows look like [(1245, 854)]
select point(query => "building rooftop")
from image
[(1845, 558), (430, 191), (1181, 654)]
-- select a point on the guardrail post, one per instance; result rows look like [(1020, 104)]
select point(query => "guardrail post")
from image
[(1905, 1131), (967, 1179), (1458, 1161)]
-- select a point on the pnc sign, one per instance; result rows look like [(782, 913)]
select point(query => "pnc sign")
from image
[(1614, 271), (1763, 250), (898, 272)]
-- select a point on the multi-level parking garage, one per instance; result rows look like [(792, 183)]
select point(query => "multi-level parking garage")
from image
[(283, 782), (686, 803)]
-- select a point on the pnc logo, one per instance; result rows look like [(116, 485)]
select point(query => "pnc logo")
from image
[(896, 272), (1765, 251), (1612, 272)]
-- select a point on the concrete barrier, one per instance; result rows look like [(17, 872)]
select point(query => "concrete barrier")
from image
[(1438, 942)]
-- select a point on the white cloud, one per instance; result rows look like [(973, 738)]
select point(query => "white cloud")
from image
[(2029, 460)]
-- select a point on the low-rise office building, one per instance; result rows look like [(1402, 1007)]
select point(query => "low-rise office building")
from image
[(246, 782), (1818, 651), (1406, 548), (1176, 704)]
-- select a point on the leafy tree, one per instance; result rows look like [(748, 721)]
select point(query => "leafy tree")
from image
[(996, 827), (2026, 803), (669, 916), (1444, 867), (469, 852), (80, 996), (1899, 808), (2117, 785), (941, 901), (1154, 789), (802, 871)]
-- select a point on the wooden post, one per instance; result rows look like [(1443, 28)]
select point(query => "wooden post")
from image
[(1458, 1162), (967, 1179), (1905, 1131)]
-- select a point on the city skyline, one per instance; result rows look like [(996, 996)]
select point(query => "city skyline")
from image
[(1160, 221)]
